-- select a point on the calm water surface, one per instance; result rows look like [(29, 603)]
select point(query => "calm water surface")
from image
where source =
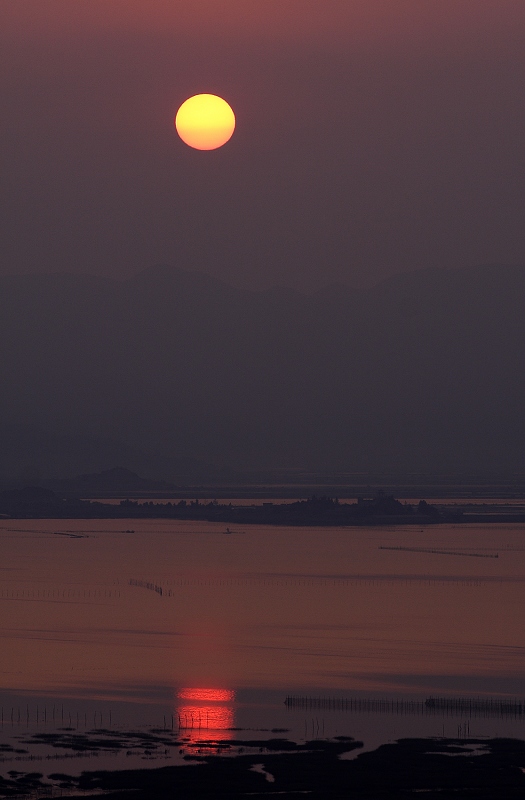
[(186, 625)]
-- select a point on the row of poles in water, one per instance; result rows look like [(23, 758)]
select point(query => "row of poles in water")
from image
[(447, 706), (15, 715)]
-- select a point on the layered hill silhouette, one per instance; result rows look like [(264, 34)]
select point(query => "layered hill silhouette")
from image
[(108, 483), (172, 371)]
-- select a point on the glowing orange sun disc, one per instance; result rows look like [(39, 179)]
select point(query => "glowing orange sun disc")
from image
[(205, 122)]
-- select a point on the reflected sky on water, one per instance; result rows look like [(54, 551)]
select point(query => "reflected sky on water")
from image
[(89, 610)]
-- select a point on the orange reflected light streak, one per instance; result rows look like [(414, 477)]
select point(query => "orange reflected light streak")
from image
[(207, 695), (206, 714), (198, 720)]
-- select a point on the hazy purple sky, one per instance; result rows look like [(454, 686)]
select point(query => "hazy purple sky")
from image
[(373, 137)]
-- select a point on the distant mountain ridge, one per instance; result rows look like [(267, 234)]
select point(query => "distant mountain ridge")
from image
[(422, 372), (108, 483)]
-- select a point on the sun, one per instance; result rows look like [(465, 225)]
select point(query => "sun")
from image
[(205, 122)]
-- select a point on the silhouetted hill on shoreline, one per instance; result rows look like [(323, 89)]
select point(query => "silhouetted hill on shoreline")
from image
[(36, 502), (108, 483), (423, 372), (30, 456)]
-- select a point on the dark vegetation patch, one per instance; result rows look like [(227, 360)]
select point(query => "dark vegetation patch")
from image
[(104, 740), (440, 769), (7, 749), (19, 784)]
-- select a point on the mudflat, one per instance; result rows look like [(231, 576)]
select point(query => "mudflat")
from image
[(438, 768)]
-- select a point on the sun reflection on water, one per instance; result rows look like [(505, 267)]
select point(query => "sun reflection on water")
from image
[(207, 695), (209, 714)]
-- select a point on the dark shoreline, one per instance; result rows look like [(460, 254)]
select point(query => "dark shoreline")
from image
[(481, 769), (39, 503)]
